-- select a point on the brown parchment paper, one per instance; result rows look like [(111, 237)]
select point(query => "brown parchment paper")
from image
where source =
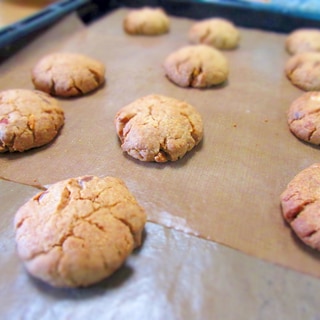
[(173, 276), (228, 188)]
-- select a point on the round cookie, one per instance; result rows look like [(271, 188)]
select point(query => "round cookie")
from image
[(303, 70), (67, 74), (217, 32), (146, 21), (158, 128), (78, 231), (197, 66), (304, 117), (28, 119), (303, 40), (300, 204)]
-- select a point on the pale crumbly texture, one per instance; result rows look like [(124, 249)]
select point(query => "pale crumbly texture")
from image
[(68, 74), (301, 205), (217, 32), (304, 117), (146, 21), (303, 70), (303, 40), (78, 231), (197, 66), (158, 128), (28, 119)]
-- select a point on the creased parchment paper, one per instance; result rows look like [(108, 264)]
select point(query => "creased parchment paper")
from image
[(172, 276), (228, 188)]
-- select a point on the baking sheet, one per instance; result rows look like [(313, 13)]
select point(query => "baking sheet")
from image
[(228, 188)]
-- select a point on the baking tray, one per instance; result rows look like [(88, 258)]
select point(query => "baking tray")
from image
[(277, 15), (35, 22), (174, 275)]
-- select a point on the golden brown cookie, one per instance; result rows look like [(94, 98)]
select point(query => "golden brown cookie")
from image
[(197, 66), (28, 119), (301, 205), (78, 231), (303, 70), (303, 40), (146, 21), (304, 117), (158, 128), (67, 74), (217, 32)]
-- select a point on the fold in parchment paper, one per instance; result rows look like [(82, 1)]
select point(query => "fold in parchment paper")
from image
[(172, 276), (227, 189)]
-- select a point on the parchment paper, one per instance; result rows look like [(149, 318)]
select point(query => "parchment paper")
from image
[(173, 276), (228, 188)]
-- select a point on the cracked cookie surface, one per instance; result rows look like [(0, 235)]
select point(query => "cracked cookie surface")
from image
[(78, 231), (146, 21), (28, 119), (197, 66), (303, 40), (304, 117), (67, 74), (303, 70), (300, 204), (217, 32), (158, 128)]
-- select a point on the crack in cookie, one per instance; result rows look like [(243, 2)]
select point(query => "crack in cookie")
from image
[(217, 32), (304, 117), (158, 128), (303, 70), (198, 66), (68, 234), (68, 74), (300, 203), (32, 119), (146, 21)]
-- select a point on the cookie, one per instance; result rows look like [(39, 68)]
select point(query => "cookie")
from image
[(304, 117), (300, 204), (303, 70), (78, 231), (67, 74), (197, 66), (303, 40), (146, 21), (158, 128), (217, 32), (28, 119)]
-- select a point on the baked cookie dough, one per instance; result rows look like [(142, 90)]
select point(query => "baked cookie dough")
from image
[(28, 119), (67, 74), (217, 32), (146, 21), (303, 40), (78, 231), (303, 70), (301, 205), (197, 66), (304, 117), (158, 128)]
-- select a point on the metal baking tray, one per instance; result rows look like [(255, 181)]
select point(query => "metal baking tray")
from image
[(276, 15), (45, 17)]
